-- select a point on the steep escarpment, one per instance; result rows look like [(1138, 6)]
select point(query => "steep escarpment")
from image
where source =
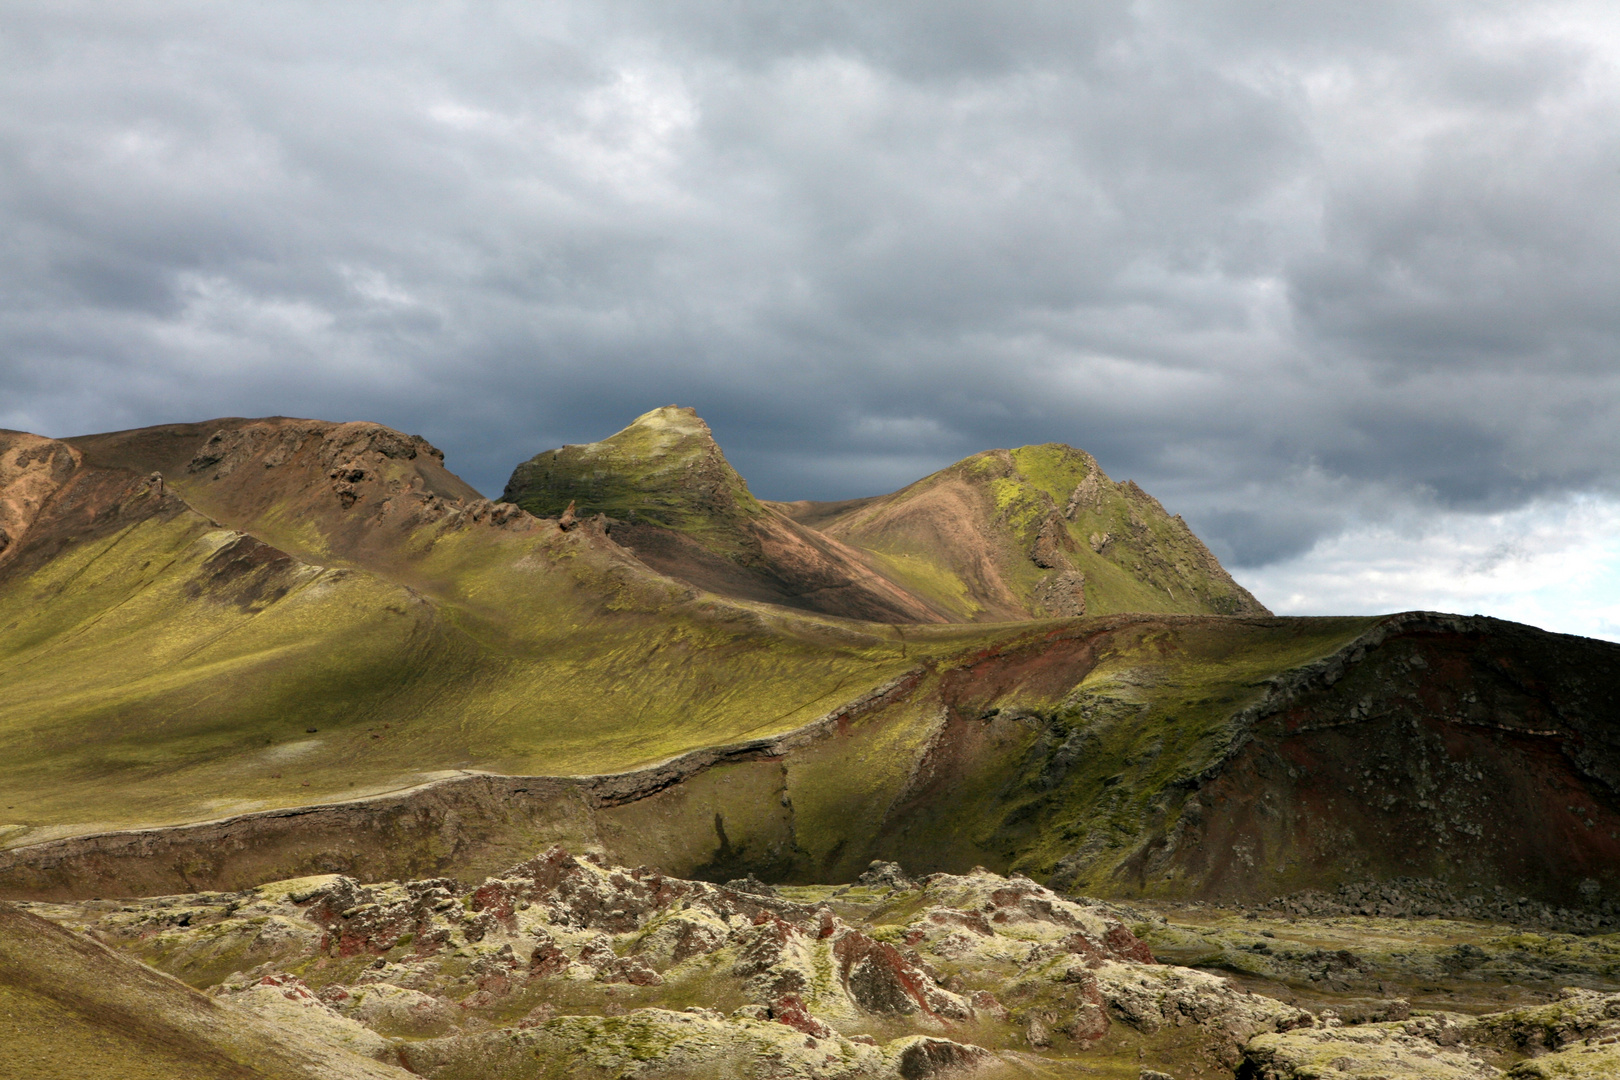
[(1466, 750), (1195, 759), (1243, 760), (962, 759), (468, 823)]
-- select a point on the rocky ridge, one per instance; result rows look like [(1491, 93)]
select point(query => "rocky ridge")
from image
[(666, 491), (1035, 531)]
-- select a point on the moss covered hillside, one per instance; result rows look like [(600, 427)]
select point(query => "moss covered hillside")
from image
[(298, 616), (207, 625), (663, 469), (1040, 530), (664, 490)]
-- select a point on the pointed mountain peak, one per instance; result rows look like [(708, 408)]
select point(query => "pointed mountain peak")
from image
[(671, 437), (673, 421), (664, 468)]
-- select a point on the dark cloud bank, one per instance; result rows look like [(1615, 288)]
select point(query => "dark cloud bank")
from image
[(1292, 267)]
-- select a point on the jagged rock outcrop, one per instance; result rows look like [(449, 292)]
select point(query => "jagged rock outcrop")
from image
[(1393, 757), (575, 959)]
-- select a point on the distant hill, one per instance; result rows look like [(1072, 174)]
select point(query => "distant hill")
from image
[(1041, 530), (1004, 535)]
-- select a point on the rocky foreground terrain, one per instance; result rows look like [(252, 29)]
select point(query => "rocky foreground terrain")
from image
[(565, 966)]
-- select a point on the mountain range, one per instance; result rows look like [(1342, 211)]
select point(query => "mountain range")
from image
[(253, 648), (287, 688), (1004, 535)]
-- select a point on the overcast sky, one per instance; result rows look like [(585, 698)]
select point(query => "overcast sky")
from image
[(1337, 281)]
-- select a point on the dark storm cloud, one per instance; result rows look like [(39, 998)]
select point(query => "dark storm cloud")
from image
[(1289, 266)]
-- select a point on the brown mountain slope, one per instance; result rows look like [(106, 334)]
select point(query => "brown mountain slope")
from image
[(32, 469), (1040, 530), (349, 492)]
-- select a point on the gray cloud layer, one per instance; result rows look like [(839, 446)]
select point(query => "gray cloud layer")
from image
[(1289, 266)]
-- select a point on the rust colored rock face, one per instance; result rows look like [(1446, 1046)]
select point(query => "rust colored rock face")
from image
[(1466, 750)]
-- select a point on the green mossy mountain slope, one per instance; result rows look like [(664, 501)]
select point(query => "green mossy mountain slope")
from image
[(664, 469), (1143, 756), (253, 616), (246, 651), (162, 666), (1004, 535), (1040, 530), (669, 495)]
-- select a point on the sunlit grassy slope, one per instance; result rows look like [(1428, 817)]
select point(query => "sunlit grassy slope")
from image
[(329, 614), (664, 468), (158, 674)]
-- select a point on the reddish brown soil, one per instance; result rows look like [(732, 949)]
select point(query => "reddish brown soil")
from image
[(89, 503), (795, 567), (951, 521), (360, 486), (818, 514)]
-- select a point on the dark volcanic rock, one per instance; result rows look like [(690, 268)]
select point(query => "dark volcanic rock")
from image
[(1465, 750)]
